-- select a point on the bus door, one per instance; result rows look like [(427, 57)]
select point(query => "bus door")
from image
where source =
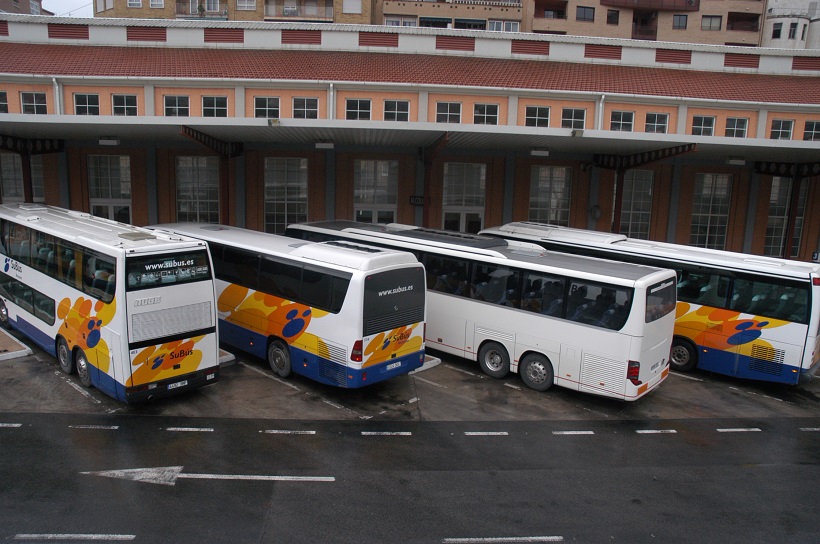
[(115, 363)]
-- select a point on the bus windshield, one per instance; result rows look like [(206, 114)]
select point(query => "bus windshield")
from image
[(660, 300), (146, 272), (392, 298)]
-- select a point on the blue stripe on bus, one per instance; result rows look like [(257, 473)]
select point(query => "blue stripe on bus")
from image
[(319, 368), (43, 340), (743, 366)]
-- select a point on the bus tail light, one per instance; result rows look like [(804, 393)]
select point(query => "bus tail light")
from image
[(356, 354), (633, 371), (815, 281)]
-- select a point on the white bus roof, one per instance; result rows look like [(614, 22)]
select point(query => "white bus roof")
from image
[(83, 228), (665, 250), (341, 255), (486, 246)]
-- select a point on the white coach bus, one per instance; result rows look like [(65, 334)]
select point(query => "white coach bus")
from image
[(129, 310), (343, 314), (600, 327), (739, 315)]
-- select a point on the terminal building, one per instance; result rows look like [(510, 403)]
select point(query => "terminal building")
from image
[(261, 124)]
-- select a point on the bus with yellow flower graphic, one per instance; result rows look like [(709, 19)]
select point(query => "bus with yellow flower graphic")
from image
[(343, 314), (131, 311), (740, 315)]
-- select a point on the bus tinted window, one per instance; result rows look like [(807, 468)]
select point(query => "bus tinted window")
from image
[(543, 293), (702, 287), (238, 266), (447, 274), (176, 268), (323, 290), (768, 297), (392, 298), (496, 283), (597, 304), (660, 300)]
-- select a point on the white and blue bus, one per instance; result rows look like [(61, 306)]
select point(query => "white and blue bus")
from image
[(343, 314), (739, 315), (595, 326), (129, 310)]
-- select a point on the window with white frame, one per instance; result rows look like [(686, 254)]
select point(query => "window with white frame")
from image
[(176, 106), (811, 132), (197, 189), (550, 195), (286, 192), (781, 129), (211, 5), (214, 106), (266, 107), (779, 206), (448, 112), (703, 125), (793, 31), (134, 3), (357, 109), (710, 210), (537, 116), (399, 20), (621, 120), (4, 102), (657, 123), (34, 7), (33, 103), (157, 3), (464, 194), (375, 190), (11, 178), (736, 127), (305, 108), (248, 5), (636, 210), (503, 26), (86, 104), (396, 110), (485, 114), (573, 118), (109, 186), (351, 6), (124, 104), (711, 22)]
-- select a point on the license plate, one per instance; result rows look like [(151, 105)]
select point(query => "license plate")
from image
[(655, 366), (391, 366), (183, 383)]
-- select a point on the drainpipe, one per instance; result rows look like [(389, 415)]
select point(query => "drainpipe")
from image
[(331, 107), (58, 102), (599, 122)]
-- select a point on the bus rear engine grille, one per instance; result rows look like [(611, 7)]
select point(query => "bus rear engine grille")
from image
[(393, 321), (171, 321), (767, 360)]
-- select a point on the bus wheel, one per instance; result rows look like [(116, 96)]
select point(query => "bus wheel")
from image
[(4, 315), (64, 356), (683, 356), (494, 360), (536, 372), (279, 358), (83, 368)]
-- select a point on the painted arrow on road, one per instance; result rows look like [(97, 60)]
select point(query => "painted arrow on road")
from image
[(169, 476)]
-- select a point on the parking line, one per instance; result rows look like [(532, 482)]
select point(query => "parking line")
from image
[(810, 429), (503, 540), (679, 375), (486, 433), (269, 376), (657, 431), (473, 374), (386, 433), (512, 386), (190, 429), (285, 431), (76, 537), (572, 432), (740, 430), (431, 383), (10, 425), (99, 427)]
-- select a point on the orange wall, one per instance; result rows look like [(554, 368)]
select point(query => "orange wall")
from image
[(285, 100), (13, 95), (467, 104), (106, 97), (194, 98), (376, 103)]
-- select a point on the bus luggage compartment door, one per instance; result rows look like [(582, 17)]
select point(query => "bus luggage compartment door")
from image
[(447, 333)]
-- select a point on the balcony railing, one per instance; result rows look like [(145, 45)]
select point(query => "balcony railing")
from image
[(206, 9), (747, 26), (655, 5), (299, 9)]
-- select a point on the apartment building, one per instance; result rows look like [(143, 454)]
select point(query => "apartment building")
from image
[(717, 22), (261, 125), (30, 7)]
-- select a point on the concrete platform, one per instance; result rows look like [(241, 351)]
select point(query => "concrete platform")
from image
[(11, 348)]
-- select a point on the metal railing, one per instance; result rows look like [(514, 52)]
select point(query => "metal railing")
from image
[(655, 5), (299, 9)]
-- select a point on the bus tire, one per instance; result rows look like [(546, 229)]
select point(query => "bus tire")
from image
[(83, 368), (536, 372), (4, 316), (682, 356), (279, 358), (64, 356), (494, 360)]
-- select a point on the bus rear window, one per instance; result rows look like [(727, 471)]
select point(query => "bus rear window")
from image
[(393, 299), (148, 272), (660, 300)]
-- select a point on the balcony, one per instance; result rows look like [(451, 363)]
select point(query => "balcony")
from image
[(299, 10), (550, 9), (655, 5), (745, 22), (204, 9)]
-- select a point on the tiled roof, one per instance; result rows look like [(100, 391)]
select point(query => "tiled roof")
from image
[(108, 61)]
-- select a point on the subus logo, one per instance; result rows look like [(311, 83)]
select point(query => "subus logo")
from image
[(147, 301), (13, 265), (181, 354)]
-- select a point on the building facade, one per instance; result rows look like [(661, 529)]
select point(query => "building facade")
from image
[(260, 125), (716, 22), (28, 7)]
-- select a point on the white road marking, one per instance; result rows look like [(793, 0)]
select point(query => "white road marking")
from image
[(512, 386), (285, 431), (413, 400), (657, 431), (486, 433), (10, 425), (679, 375), (572, 432), (740, 430), (169, 476), (810, 429), (337, 406), (387, 433), (100, 427), (269, 376), (81, 390), (190, 429), (503, 539), (75, 537), (431, 383), (473, 374)]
